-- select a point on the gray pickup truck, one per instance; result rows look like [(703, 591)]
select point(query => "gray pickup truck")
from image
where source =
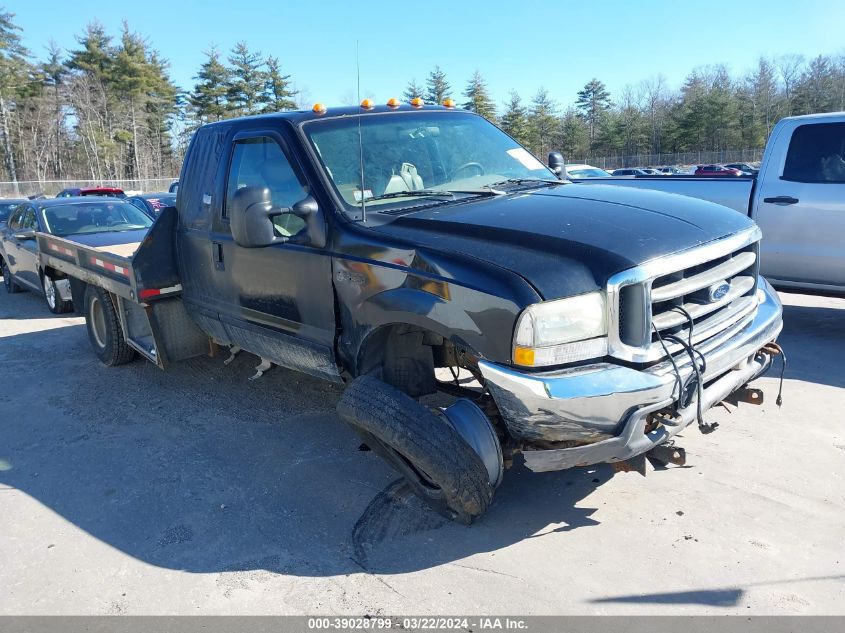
[(411, 250), (797, 200)]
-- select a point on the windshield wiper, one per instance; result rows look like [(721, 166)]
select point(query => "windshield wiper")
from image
[(524, 181), (419, 193)]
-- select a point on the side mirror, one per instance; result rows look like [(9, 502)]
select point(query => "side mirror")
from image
[(309, 210), (27, 234), (251, 215), (556, 164)]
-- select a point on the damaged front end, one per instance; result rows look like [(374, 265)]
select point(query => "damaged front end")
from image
[(609, 412)]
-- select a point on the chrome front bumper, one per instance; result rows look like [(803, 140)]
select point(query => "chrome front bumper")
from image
[(604, 406)]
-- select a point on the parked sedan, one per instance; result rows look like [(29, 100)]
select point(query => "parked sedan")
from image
[(72, 192), (7, 205), (153, 203), (585, 171), (716, 170), (745, 168), (80, 219), (629, 171)]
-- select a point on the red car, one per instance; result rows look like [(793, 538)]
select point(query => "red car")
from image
[(716, 170), (112, 192)]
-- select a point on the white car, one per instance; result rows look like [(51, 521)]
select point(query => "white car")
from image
[(580, 170)]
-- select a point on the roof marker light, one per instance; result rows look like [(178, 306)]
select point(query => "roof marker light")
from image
[(449, 103), (393, 102), (417, 102), (318, 108), (367, 104)]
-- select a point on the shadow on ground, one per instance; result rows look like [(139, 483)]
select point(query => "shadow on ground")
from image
[(813, 337), (199, 469)]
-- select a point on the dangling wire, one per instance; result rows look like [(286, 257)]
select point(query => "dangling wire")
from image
[(774, 348), (698, 371)]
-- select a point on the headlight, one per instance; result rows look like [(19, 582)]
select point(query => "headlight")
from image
[(562, 331)]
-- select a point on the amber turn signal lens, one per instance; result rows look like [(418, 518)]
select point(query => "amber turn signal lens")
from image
[(367, 104), (319, 108), (523, 356)]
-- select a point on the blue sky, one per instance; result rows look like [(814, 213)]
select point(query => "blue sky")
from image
[(517, 45)]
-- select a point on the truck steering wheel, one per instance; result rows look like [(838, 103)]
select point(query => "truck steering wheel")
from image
[(471, 165)]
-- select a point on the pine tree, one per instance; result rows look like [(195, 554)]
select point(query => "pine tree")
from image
[(544, 124), (278, 92), (96, 55), (515, 120), (593, 101), (413, 90), (162, 108), (246, 80), (55, 71), (133, 78), (209, 96), (437, 88), (478, 98), (13, 67), (574, 136)]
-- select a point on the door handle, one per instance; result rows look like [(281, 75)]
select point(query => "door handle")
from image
[(217, 255), (781, 200)]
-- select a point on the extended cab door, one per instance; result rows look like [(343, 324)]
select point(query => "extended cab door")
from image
[(276, 301), (800, 204)]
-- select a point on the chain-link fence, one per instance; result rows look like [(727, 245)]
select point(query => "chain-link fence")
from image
[(49, 188), (681, 159)]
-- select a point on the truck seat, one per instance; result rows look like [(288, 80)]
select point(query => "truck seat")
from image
[(406, 180)]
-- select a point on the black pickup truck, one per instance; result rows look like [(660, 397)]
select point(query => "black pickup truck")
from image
[(412, 250)]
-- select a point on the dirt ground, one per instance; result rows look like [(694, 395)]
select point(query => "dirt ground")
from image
[(133, 490)]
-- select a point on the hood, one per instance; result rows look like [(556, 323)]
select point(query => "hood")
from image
[(108, 238), (569, 239)]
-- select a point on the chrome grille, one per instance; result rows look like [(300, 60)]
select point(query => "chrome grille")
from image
[(647, 298)]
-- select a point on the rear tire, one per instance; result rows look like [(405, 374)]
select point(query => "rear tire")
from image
[(423, 447), (54, 300), (8, 281), (104, 330)]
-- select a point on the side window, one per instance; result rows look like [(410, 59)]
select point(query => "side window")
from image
[(28, 221), (139, 204), (260, 162), (816, 154), (15, 220)]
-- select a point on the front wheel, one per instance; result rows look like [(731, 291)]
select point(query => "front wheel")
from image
[(104, 329), (53, 297), (8, 281), (425, 449)]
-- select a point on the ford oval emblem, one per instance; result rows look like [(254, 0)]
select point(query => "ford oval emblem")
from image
[(718, 290)]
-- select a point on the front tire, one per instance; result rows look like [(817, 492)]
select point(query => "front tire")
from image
[(423, 447), (53, 297), (104, 329), (8, 281)]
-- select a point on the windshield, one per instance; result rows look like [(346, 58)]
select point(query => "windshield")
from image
[(94, 217), (431, 153)]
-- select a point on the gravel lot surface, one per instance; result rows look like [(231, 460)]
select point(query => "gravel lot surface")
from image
[(133, 490)]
